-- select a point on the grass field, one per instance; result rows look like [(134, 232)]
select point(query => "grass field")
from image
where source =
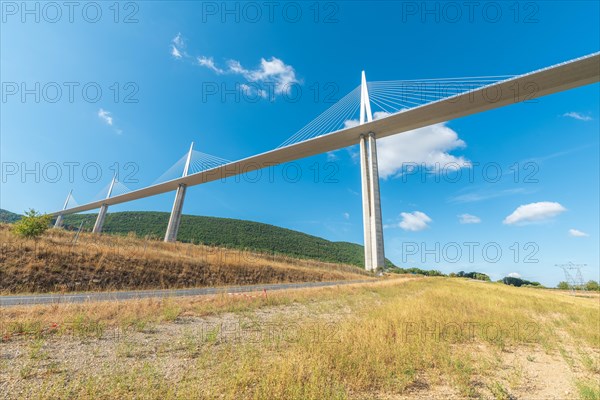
[(56, 263), (402, 337)]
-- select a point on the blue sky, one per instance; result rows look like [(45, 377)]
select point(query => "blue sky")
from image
[(155, 61)]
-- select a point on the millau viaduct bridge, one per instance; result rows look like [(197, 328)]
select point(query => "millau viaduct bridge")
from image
[(404, 105)]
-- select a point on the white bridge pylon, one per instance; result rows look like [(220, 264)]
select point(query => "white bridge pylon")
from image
[(371, 202)]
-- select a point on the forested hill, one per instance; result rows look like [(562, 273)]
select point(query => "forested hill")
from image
[(227, 232), (9, 217)]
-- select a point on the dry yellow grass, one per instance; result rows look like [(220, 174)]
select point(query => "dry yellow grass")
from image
[(399, 338), (94, 318), (56, 264)]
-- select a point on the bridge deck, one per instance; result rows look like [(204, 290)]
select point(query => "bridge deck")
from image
[(568, 75)]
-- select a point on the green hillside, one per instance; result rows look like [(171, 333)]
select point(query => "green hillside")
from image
[(8, 217), (227, 232)]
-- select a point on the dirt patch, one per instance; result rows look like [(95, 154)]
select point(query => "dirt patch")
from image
[(27, 363)]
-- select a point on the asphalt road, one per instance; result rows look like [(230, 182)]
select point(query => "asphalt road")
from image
[(6, 301)]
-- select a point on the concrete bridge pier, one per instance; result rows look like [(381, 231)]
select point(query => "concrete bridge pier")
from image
[(372, 221), (59, 219), (103, 209), (100, 219), (366, 201), (175, 218), (377, 252)]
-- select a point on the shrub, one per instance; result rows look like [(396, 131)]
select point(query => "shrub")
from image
[(473, 275), (32, 225), (509, 280), (592, 285)]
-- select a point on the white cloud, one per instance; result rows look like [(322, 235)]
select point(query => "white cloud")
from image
[(534, 212), (346, 215), (178, 46), (332, 156), (380, 114), (415, 221), (246, 89), (253, 91), (351, 123), (577, 233), (178, 41), (105, 116), (468, 219), (209, 63), (354, 155), (514, 275), (578, 116), (427, 147), (175, 52), (274, 71)]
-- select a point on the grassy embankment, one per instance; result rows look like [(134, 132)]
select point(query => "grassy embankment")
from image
[(54, 263)]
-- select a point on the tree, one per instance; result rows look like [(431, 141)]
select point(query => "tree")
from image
[(472, 275), (592, 285), (510, 280), (32, 225), (518, 282), (434, 272), (481, 277), (563, 285)]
